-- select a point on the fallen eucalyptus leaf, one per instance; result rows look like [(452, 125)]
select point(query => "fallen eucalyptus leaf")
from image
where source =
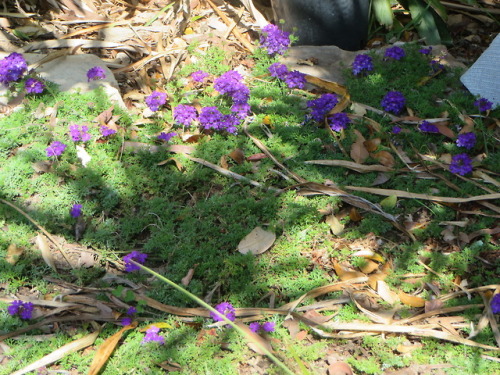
[(257, 241)]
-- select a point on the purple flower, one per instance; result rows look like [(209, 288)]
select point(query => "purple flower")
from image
[(295, 79), (425, 51), (427, 127), (156, 100), (153, 336), (436, 66), (495, 304), (230, 83), (199, 76), (362, 63), (393, 102), (254, 327), (268, 326), (339, 121), (56, 148), (226, 309), (210, 118), (166, 136), (23, 309), (95, 73), (135, 256), (106, 131), (78, 133), (12, 68), (322, 105), (126, 321), (466, 140), (396, 53), (185, 114), (278, 70), (131, 311), (274, 40), (483, 104), (34, 86), (241, 110), (461, 164), (396, 129), (76, 210)]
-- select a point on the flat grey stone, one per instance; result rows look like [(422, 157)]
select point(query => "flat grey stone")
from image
[(70, 73)]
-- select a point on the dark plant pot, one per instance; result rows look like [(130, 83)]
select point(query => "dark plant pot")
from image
[(343, 23)]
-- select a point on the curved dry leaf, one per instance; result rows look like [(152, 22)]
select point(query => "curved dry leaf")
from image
[(361, 168), (410, 300), (339, 368), (446, 131), (335, 225), (257, 241), (177, 163), (344, 274), (385, 158), (359, 153), (386, 293), (237, 155), (372, 144), (13, 253), (43, 245), (368, 267)]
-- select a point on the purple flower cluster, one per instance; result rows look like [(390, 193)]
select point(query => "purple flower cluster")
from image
[(136, 256), (396, 129), (427, 127), (264, 327), (362, 64), (293, 79), (436, 66), (106, 131), (212, 118), (130, 314), (425, 51), (495, 304), (156, 100), (12, 68), (95, 73), (395, 52), (76, 210), (34, 86), (79, 133), (226, 309), (56, 148), (153, 336), (185, 114), (274, 40), (230, 83), (483, 104), (241, 110), (322, 105), (466, 140), (461, 164), (339, 121), (23, 309), (394, 102), (166, 136), (199, 76)]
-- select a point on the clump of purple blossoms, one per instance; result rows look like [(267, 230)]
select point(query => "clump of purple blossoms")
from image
[(95, 73), (136, 256), (240, 110), (12, 68), (185, 114), (394, 102), (166, 136), (425, 51), (436, 66), (212, 118), (78, 133), (295, 79), (156, 100), (483, 104), (128, 319), (396, 129), (153, 336), (466, 140), (362, 63), (495, 304), (76, 210), (427, 127), (230, 83), (395, 52), (106, 131), (199, 76), (278, 70), (23, 309), (56, 148), (461, 164), (339, 121), (34, 86), (274, 40), (322, 105), (265, 327), (226, 309)]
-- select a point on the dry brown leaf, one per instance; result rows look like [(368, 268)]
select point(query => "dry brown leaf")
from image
[(386, 293), (368, 267), (257, 241), (381, 317), (433, 304), (177, 163), (336, 226), (408, 347), (344, 274), (106, 349), (316, 317), (339, 368), (257, 157), (354, 215), (223, 162), (359, 153), (445, 130), (410, 300), (293, 327), (372, 144), (13, 253), (238, 156), (187, 279), (44, 248), (385, 158), (255, 341)]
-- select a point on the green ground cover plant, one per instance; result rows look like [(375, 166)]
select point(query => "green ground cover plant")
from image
[(139, 196)]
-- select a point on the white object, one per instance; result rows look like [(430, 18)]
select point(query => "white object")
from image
[(483, 77)]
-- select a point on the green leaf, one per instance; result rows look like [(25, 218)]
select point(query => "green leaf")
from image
[(424, 21), (389, 202), (383, 12), (439, 8)]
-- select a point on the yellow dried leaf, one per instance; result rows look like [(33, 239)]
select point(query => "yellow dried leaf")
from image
[(267, 120), (369, 267), (13, 253), (410, 300)]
